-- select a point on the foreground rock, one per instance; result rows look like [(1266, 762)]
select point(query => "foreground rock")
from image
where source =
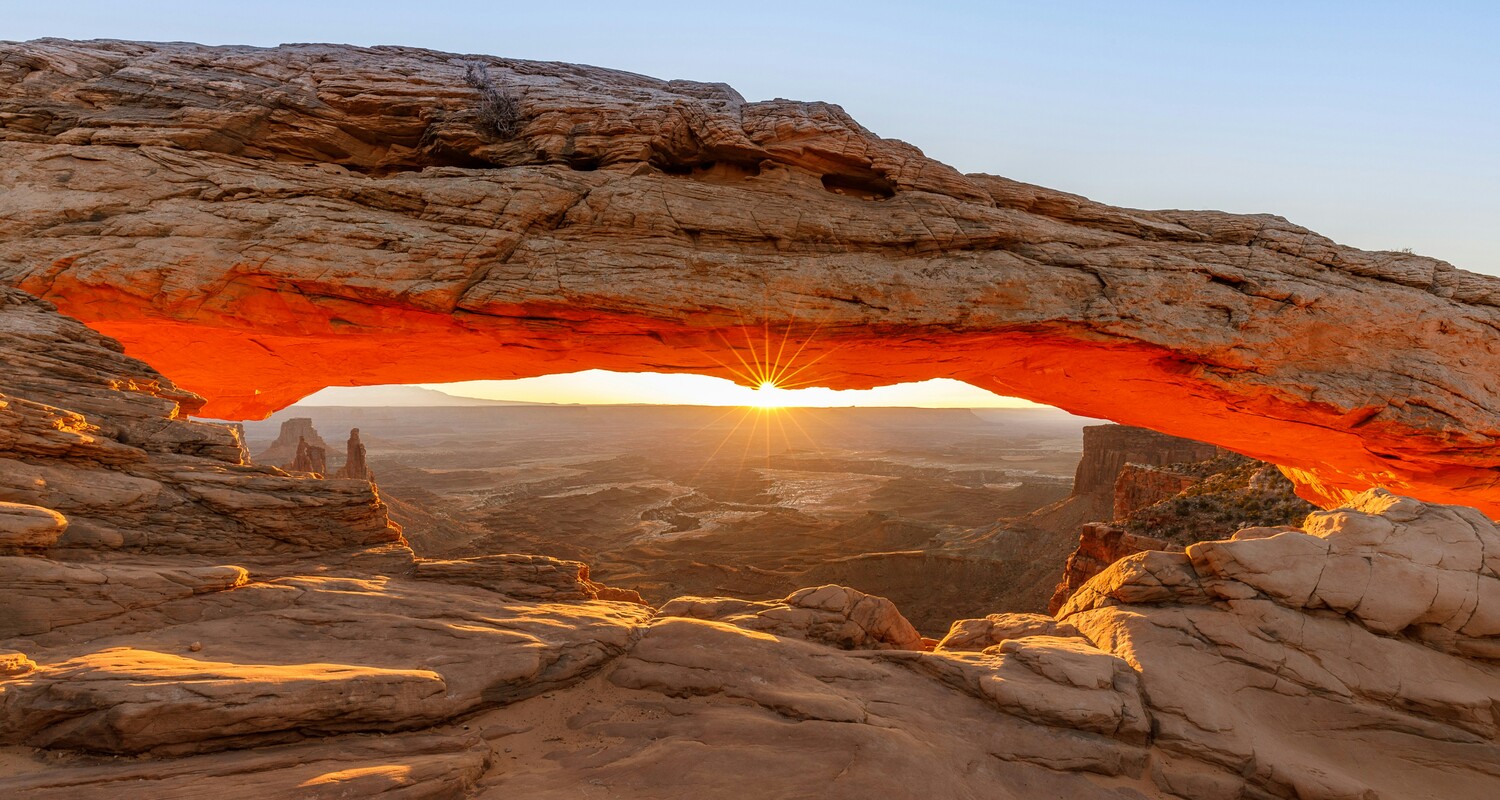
[(835, 615), (100, 448), (259, 223), (160, 595), (1169, 507)]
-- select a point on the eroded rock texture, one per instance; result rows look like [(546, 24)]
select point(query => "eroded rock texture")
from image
[(98, 452), (1356, 657), (261, 223), (161, 595)]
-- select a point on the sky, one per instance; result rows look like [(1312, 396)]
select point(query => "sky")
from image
[(1374, 123)]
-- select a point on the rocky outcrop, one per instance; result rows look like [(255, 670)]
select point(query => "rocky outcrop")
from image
[(169, 195), (1140, 485), (835, 615), (118, 515), (1099, 545), (524, 577), (1034, 546), (1107, 449), (99, 450), (354, 459), (112, 701), (1336, 621), (284, 449), (1355, 657), (25, 527), (309, 459), (1169, 508)]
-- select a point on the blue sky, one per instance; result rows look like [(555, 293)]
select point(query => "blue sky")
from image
[(1376, 123)]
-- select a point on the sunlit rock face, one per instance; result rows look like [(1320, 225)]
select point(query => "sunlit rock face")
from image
[(192, 649), (260, 223)]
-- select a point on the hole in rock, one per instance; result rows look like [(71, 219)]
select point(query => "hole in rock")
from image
[(865, 187), (711, 170), (950, 501)]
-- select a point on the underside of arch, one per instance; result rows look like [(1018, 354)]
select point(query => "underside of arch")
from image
[(290, 218)]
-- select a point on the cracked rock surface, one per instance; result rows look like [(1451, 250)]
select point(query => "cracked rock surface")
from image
[(180, 623), (260, 223)]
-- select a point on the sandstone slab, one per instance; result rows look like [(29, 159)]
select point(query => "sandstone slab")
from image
[(260, 223)]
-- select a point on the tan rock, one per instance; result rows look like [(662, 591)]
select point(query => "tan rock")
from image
[(411, 767), (14, 663), (524, 577), (230, 227), (45, 595), (24, 527), (978, 634), (836, 615), (1389, 562), (104, 440), (122, 700)]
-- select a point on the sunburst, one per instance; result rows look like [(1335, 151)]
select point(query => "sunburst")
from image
[(774, 367)]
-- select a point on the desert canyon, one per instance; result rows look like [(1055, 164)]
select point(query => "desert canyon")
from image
[(193, 233)]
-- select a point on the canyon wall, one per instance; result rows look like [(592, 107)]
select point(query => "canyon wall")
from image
[(1107, 449), (260, 223)]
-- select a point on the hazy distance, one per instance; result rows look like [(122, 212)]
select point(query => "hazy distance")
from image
[(601, 387)]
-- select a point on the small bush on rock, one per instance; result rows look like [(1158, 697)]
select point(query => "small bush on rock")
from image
[(499, 108)]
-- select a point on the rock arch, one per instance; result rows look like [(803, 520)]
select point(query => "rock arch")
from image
[(259, 223)]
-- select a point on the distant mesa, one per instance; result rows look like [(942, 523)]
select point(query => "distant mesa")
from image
[(299, 448), (296, 434)]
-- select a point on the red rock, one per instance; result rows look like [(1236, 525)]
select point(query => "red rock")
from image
[(309, 459), (354, 459), (1139, 486), (1099, 545), (230, 229)]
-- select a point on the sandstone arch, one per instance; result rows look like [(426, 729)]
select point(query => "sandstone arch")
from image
[(259, 223)]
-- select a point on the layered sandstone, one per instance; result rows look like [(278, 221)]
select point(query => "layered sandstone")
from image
[(102, 451), (1169, 508), (159, 594), (1100, 544), (354, 459), (1356, 657), (1142, 486), (1108, 449), (259, 223)]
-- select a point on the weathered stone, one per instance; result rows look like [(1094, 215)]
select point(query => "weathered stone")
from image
[(524, 577), (166, 193), (125, 701), (24, 527), (406, 767), (354, 459), (979, 634), (835, 615), (44, 595), (1099, 545), (309, 459), (104, 440)]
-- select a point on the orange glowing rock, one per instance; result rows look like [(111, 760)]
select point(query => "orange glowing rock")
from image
[(256, 248)]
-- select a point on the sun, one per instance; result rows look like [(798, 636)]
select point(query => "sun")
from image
[(768, 395)]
